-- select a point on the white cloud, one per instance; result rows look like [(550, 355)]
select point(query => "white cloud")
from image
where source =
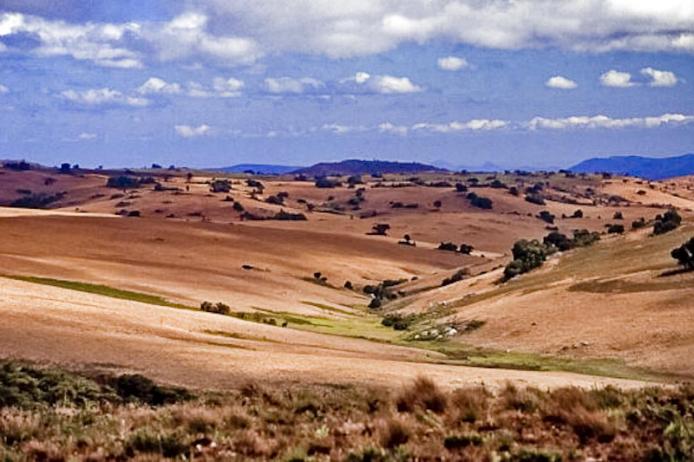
[(188, 131), (157, 85), (187, 36), (339, 129), (96, 42), (227, 87), (84, 136), (362, 27), (386, 84), (291, 85), (560, 82), (3, 89), (602, 121), (392, 129), (361, 77), (471, 125), (452, 63), (102, 96), (613, 78), (660, 78)]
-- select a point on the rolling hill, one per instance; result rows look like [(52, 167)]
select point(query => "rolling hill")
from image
[(644, 167), (366, 167)]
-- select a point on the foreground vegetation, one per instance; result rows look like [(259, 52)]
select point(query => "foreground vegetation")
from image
[(48, 414)]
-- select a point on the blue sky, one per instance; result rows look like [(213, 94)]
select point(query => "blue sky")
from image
[(460, 82)]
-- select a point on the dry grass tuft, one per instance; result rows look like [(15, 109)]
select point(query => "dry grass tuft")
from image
[(423, 394)]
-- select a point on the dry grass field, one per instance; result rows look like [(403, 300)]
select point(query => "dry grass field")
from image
[(110, 280)]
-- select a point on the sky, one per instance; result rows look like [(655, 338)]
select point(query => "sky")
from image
[(459, 83)]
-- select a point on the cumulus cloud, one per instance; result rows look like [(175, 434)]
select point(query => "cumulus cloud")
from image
[(561, 83), (3, 89), (660, 78), (102, 96), (188, 35), (393, 129), (452, 63), (602, 121), (155, 85), (455, 126), (99, 43), (84, 136), (189, 131), (242, 31), (291, 85), (617, 79), (362, 27), (227, 87), (386, 84)]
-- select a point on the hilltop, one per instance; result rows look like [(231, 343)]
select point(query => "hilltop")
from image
[(644, 167), (366, 167)]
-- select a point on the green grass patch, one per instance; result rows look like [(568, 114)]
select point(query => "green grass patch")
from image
[(324, 307), (99, 289)]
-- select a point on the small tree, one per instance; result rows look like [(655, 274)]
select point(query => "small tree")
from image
[(669, 221)]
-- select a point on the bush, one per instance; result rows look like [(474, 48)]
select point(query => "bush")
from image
[(618, 216), (577, 214), (546, 216), (37, 201), (685, 254), (669, 221), (460, 187), (287, 216), (535, 198), (479, 201), (380, 229), (220, 186), (456, 277), (217, 308), (466, 249), (615, 229), (558, 240), (327, 183), (423, 394), (448, 246), (638, 224), (123, 182), (527, 255)]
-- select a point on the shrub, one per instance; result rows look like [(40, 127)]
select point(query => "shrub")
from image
[(20, 166), (577, 214), (287, 216), (466, 249), (546, 216), (527, 255), (423, 394), (535, 198), (618, 216), (123, 182), (380, 229), (238, 207), (448, 246), (398, 321), (481, 202), (37, 201), (558, 240), (220, 186), (584, 238), (638, 224), (669, 221), (217, 308), (327, 183), (461, 188), (456, 277), (615, 229), (685, 254)]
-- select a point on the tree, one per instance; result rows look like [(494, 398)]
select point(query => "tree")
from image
[(438, 204), (527, 255), (615, 229)]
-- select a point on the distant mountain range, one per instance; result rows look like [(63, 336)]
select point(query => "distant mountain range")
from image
[(644, 167), (366, 167), (261, 169)]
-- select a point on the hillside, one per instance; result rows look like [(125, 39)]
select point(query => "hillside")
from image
[(366, 167), (643, 167), (260, 169)]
